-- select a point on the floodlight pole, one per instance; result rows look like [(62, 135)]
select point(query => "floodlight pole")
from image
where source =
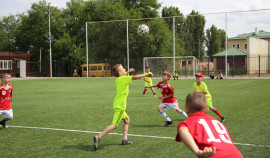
[(127, 49), (173, 44), (226, 46), (50, 42), (86, 43)]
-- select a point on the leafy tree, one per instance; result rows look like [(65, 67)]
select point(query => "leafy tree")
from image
[(143, 8), (8, 29), (179, 26), (194, 37), (33, 31), (215, 41)]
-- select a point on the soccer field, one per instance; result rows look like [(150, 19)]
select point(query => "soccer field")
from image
[(58, 117)]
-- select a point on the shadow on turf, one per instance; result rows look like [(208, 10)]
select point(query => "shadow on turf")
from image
[(145, 126), (88, 147), (176, 121)]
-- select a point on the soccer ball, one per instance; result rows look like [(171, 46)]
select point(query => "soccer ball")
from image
[(143, 29)]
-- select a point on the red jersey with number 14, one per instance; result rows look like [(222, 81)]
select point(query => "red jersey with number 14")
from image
[(5, 97), (165, 91), (209, 132)]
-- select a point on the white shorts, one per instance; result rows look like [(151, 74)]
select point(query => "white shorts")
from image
[(7, 113), (168, 106)]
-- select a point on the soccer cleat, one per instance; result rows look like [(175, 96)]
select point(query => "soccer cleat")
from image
[(126, 142), (168, 123), (96, 141), (223, 119), (4, 124), (155, 95), (143, 95)]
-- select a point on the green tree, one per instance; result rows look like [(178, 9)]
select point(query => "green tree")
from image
[(179, 26), (33, 32), (8, 28), (194, 37), (142, 8), (215, 41)]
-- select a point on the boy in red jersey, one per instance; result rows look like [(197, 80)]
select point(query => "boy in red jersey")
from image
[(5, 99), (169, 101), (204, 135)]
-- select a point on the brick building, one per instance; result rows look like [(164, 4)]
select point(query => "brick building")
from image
[(9, 62)]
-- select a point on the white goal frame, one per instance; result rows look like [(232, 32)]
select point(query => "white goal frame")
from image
[(145, 62)]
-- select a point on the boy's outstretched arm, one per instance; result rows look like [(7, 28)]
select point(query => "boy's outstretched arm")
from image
[(190, 143), (135, 77), (151, 86)]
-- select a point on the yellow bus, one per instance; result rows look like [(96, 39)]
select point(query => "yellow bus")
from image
[(95, 70)]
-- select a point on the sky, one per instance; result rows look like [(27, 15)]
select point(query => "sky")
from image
[(237, 23)]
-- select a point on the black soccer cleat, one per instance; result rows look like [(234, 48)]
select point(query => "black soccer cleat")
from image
[(126, 142), (223, 119), (168, 123), (96, 141), (4, 124)]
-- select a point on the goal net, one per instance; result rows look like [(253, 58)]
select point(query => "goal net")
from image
[(184, 65)]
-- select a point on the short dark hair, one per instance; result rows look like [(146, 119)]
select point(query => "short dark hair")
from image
[(147, 67), (196, 102), (115, 70)]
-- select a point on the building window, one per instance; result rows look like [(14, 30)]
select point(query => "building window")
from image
[(235, 46), (5, 65), (245, 46)]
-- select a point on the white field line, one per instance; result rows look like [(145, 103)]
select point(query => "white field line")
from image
[(240, 82), (134, 135)]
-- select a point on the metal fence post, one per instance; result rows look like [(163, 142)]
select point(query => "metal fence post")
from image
[(259, 65), (233, 67)]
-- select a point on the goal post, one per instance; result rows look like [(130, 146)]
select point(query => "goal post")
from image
[(183, 65)]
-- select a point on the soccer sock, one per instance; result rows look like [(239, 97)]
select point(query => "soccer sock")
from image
[(217, 112), (99, 138), (165, 115), (183, 113), (144, 92), (3, 121)]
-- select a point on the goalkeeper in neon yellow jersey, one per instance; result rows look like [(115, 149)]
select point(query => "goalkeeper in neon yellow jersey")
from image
[(148, 82), (201, 87), (119, 105)]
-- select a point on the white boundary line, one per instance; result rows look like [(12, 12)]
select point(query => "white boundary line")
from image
[(240, 82), (134, 135)]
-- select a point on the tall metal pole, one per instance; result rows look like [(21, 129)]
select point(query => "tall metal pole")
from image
[(50, 41), (226, 46), (173, 44), (86, 41), (127, 49)]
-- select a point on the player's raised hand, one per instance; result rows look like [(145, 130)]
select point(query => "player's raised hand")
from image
[(130, 70)]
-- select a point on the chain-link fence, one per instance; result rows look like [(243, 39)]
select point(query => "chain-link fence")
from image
[(117, 42)]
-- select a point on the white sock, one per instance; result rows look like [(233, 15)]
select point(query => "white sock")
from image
[(183, 113), (165, 115)]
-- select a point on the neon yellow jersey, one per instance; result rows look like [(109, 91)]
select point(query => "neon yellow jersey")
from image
[(202, 88), (175, 74), (122, 90), (148, 78)]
